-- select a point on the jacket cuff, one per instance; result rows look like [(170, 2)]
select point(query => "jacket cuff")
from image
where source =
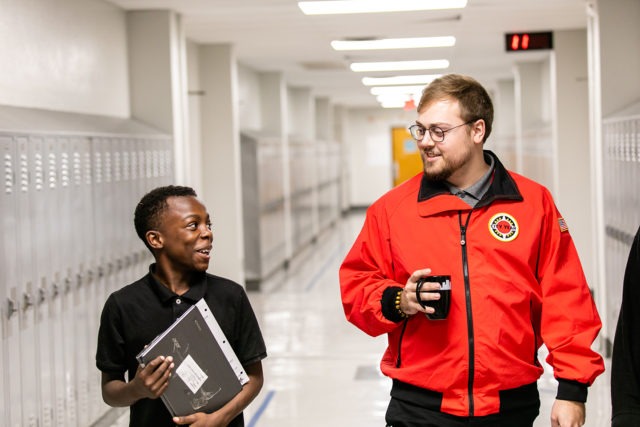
[(388, 302), (572, 390)]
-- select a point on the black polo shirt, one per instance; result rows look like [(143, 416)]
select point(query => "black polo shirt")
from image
[(137, 313)]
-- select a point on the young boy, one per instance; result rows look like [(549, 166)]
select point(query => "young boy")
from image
[(175, 227)]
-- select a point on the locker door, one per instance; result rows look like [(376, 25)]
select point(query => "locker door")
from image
[(55, 325), (129, 194), (9, 415), (40, 204), (97, 291), (25, 292), (80, 246), (137, 176), (65, 240)]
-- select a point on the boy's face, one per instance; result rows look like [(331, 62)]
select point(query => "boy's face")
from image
[(185, 231)]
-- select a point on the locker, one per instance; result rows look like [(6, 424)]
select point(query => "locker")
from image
[(65, 229), (25, 291), (80, 248), (9, 415), (98, 219), (55, 325), (40, 205)]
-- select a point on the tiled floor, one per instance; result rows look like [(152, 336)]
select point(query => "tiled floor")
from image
[(321, 370)]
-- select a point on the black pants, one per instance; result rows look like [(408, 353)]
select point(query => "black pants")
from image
[(401, 413)]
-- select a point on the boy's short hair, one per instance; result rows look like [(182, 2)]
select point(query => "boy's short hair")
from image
[(152, 205)]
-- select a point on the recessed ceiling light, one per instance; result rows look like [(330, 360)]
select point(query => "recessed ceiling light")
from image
[(402, 43), (400, 80), (372, 6), (400, 65)]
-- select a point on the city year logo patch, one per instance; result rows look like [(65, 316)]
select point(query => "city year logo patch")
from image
[(503, 227)]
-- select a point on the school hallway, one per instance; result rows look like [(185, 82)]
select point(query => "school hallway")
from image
[(321, 370)]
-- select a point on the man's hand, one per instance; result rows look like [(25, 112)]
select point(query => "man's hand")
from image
[(153, 379), (409, 303), (566, 413)]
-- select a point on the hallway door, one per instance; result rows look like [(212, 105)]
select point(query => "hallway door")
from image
[(406, 157)]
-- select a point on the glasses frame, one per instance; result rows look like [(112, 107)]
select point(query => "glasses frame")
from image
[(434, 129)]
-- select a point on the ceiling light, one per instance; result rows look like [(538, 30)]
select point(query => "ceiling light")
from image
[(370, 6), (388, 101), (400, 65), (403, 43), (400, 80), (396, 90)]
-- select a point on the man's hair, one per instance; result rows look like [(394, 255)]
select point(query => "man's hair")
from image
[(153, 204), (474, 100)]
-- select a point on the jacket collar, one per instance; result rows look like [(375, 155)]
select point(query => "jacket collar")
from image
[(502, 187)]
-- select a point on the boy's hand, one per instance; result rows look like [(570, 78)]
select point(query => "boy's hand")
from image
[(200, 419), (153, 379)]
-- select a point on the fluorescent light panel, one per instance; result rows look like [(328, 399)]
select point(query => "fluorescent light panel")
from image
[(402, 43), (373, 6), (396, 90), (400, 65), (400, 80)]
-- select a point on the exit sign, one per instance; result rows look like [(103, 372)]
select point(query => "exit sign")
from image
[(516, 42)]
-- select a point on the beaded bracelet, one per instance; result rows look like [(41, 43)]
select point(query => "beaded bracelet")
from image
[(398, 297)]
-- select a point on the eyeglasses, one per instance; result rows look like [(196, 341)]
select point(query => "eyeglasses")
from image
[(436, 133)]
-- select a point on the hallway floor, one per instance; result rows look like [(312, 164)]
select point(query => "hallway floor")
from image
[(321, 370)]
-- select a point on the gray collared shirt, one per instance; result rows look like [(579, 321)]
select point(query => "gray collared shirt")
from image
[(474, 193)]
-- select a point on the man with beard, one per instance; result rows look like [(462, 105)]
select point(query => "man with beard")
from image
[(516, 281)]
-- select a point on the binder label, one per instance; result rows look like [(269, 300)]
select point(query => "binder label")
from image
[(191, 374)]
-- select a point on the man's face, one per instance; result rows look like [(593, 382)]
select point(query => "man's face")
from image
[(186, 234), (443, 159)]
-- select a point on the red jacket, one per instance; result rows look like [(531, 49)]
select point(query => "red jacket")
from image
[(516, 283)]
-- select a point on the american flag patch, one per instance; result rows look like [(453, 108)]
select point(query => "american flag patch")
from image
[(563, 225)]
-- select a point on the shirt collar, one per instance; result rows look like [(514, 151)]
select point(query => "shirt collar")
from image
[(480, 187), (197, 288)]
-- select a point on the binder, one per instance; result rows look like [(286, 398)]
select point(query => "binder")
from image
[(207, 372)]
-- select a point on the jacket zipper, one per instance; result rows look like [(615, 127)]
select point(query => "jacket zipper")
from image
[(399, 358), (467, 293)]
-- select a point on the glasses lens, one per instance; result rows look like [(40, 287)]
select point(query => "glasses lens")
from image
[(436, 133), (417, 132)]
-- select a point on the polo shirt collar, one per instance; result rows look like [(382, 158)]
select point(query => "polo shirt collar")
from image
[(197, 288)]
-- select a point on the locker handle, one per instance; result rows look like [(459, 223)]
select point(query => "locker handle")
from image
[(11, 308), (27, 300), (42, 295), (55, 291)]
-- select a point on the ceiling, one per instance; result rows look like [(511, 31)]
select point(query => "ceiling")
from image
[(274, 35)]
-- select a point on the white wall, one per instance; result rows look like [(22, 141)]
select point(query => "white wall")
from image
[(368, 150), (68, 55), (249, 92)]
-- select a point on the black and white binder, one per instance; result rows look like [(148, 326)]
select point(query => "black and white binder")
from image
[(207, 372)]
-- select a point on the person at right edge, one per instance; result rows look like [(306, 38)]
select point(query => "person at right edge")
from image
[(516, 281), (625, 361)]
